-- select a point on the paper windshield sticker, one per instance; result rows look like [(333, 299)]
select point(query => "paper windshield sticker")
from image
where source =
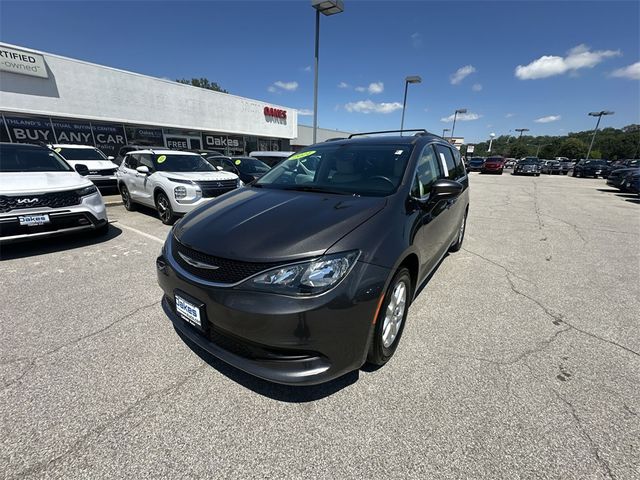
[(300, 155), (58, 150), (444, 164), (162, 158), (399, 152), (238, 162)]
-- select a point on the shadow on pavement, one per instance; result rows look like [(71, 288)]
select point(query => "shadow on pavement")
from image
[(275, 391), (608, 190), (633, 200), (59, 243)]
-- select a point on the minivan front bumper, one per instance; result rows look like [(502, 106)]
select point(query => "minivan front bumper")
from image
[(289, 340)]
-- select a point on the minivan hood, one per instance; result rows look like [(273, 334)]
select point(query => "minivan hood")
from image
[(40, 182), (269, 225)]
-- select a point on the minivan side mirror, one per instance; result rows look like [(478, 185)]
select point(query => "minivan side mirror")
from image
[(444, 189), (143, 169), (82, 169)]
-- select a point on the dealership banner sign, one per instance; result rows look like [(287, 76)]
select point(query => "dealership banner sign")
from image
[(109, 137), (73, 132), (23, 63), (30, 129), (223, 142)]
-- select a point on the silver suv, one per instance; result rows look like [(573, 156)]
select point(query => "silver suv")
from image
[(173, 182), (102, 170), (41, 195)]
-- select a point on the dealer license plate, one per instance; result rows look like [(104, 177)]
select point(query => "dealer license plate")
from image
[(188, 311), (33, 220)]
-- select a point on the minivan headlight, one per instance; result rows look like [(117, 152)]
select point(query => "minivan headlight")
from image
[(305, 278)]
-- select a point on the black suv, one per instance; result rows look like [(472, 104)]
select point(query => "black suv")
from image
[(590, 168), (306, 274)]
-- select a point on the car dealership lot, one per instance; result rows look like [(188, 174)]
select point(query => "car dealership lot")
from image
[(520, 359)]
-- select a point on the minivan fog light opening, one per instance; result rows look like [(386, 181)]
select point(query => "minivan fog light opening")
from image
[(308, 278)]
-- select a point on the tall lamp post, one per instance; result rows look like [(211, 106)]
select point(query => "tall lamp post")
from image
[(521, 130), (492, 135), (445, 130), (593, 137), (326, 7), (407, 81), (455, 115)]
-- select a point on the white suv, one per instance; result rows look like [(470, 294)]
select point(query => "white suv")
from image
[(102, 171), (41, 195), (173, 182)]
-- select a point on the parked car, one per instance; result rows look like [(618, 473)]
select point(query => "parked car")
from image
[(510, 163), (102, 170), (475, 164), (566, 165), (132, 147), (271, 158), (589, 168), (42, 195), (171, 181), (551, 167), (206, 153), (299, 279), (247, 168), (527, 166), (493, 165), (632, 182), (617, 177)]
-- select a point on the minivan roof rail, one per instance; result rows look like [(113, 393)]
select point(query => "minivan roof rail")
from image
[(421, 130)]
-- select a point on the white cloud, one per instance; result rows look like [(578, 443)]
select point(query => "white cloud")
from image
[(461, 74), (367, 106), (272, 89), (307, 68), (631, 72), (376, 87), (416, 40), (360, 89), (509, 115), (305, 112), (550, 65), (547, 119), (462, 117), (344, 85), (476, 87), (289, 86)]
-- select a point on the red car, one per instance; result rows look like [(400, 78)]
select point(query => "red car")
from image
[(493, 165)]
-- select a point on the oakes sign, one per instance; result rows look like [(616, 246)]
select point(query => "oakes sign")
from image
[(24, 63), (234, 144), (275, 113)]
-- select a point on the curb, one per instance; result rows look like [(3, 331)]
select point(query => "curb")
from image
[(113, 203)]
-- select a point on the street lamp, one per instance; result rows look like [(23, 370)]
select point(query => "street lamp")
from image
[(407, 81), (455, 115), (492, 135), (326, 7), (444, 130), (599, 115), (521, 130)]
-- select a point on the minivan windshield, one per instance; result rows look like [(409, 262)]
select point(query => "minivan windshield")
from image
[(29, 158), (81, 153), (176, 162), (351, 169)]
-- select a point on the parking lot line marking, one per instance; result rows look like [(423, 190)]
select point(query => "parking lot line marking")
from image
[(140, 232)]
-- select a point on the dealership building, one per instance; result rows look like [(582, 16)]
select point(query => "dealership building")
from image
[(53, 99)]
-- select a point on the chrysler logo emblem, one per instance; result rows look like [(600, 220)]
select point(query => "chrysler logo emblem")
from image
[(22, 201), (196, 263)]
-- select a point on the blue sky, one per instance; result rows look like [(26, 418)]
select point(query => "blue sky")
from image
[(577, 56)]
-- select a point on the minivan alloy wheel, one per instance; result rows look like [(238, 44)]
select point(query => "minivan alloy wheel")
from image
[(394, 314)]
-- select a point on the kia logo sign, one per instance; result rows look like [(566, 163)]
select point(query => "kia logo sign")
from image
[(275, 112)]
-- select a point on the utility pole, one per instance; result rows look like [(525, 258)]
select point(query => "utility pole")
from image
[(595, 130)]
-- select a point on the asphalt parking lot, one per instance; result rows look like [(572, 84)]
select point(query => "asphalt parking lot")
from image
[(520, 359)]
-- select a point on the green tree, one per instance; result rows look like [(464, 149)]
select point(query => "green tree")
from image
[(517, 149), (573, 148), (203, 83)]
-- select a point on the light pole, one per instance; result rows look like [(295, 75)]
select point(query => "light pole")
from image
[(521, 130), (593, 137), (326, 7), (455, 115), (492, 135), (444, 130), (407, 81)]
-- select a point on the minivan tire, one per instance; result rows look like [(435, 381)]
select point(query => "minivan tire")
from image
[(460, 238), (126, 198), (379, 353), (165, 212)]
